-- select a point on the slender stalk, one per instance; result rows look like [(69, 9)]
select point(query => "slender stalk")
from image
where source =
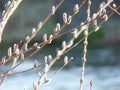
[(85, 47), (6, 14)]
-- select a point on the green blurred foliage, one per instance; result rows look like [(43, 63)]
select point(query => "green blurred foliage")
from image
[(95, 39), (96, 36)]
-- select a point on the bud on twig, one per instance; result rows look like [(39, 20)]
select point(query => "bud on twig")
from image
[(85, 43), (27, 38), (85, 33), (26, 47), (7, 4), (46, 59), (50, 38), (75, 33), (83, 27), (53, 10), (69, 19), (105, 17), (59, 53), (114, 5), (17, 51), (45, 37), (96, 28), (65, 18), (66, 60), (49, 57), (35, 85), (57, 29), (46, 68), (3, 13), (58, 26), (22, 57), (95, 22), (76, 9), (33, 30), (4, 60), (101, 5), (94, 16), (15, 46), (63, 44), (39, 25), (70, 44), (10, 52), (35, 45)]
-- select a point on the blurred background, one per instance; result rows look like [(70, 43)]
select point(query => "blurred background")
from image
[(103, 50)]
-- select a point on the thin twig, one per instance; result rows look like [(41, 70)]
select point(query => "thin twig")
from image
[(6, 14)]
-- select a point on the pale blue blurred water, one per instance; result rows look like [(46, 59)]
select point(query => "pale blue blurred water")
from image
[(104, 77)]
